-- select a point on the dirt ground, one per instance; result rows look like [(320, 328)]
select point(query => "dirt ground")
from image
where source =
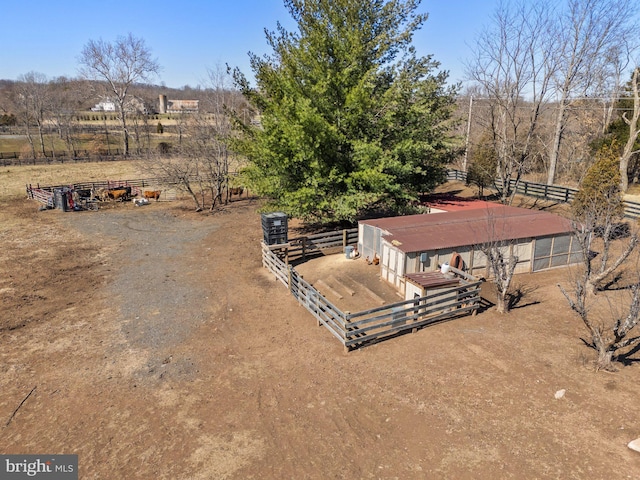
[(155, 346)]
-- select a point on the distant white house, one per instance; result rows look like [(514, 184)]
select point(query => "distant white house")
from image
[(106, 105), (134, 104)]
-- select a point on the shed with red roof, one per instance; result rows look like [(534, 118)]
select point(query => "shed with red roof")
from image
[(422, 243)]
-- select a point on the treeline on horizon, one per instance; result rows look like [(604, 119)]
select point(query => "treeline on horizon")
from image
[(81, 95)]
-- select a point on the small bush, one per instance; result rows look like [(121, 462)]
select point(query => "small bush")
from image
[(164, 148)]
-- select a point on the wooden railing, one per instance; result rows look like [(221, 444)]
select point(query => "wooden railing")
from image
[(80, 156), (548, 192), (309, 246), (358, 329), (530, 189)]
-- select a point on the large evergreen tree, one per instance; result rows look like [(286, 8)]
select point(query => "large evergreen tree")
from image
[(351, 119)]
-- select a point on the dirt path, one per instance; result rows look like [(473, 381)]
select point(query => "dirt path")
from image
[(160, 348)]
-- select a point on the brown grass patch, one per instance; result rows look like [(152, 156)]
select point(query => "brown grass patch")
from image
[(14, 178)]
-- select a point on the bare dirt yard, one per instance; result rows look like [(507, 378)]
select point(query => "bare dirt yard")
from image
[(155, 346)]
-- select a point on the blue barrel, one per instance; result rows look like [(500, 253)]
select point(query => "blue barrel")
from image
[(348, 251)]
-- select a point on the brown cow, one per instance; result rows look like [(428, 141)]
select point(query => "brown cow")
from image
[(118, 194), (155, 194), (102, 194)]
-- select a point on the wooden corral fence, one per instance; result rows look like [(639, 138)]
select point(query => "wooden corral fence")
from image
[(548, 192), (80, 156), (358, 329), (529, 189), (137, 185), (310, 246), (42, 193)]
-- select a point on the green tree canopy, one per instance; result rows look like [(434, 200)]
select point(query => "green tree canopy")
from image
[(351, 119), (599, 199), (483, 167)]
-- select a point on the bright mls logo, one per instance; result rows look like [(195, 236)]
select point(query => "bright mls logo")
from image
[(49, 467)]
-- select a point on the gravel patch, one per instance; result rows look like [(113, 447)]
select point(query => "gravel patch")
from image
[(157, 294)]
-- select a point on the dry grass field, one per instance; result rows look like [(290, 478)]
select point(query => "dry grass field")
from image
[(156, 346), (13, 179)]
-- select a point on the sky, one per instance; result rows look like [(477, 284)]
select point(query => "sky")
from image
[(189, 37)]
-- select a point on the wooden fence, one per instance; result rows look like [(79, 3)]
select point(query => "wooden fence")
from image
[(39, 191), (309, 246), (529, 189), (363, 328), (80, 156), (44, 193), (548, 192)]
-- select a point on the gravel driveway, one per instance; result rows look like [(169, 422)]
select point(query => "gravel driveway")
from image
[(157, 290)]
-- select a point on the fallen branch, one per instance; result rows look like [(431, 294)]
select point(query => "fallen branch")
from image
[(18, 407)]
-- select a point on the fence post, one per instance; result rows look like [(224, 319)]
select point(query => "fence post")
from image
[(344, 239), (304, 248)]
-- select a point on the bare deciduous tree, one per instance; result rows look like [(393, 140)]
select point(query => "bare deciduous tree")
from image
[(205, 159), (537, 65), (634, 130), (117, 67), (66, 98), (599, 265), (598, 212), (34, 99), (513, 67), (503, 267), (587, 34), (502, 259), (610, 318)]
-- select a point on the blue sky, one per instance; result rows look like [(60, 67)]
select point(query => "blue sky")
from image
[(190, 36)]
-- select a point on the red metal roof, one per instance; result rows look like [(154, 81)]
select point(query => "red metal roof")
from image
[(451, 203), (496, 222)]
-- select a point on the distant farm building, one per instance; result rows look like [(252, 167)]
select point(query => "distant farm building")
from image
[(133, 104), (106, 105), (177, 106), (409, 245)]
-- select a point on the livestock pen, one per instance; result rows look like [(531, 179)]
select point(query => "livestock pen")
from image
[(44, 193), (357, 329)]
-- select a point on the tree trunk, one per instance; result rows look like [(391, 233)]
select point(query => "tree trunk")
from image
[(188, 188), (605, 359), (633, 133), (30, 138), (106, 133), (502, 304), (624, 173), (41, 137), (125, 136), (557, 140)]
